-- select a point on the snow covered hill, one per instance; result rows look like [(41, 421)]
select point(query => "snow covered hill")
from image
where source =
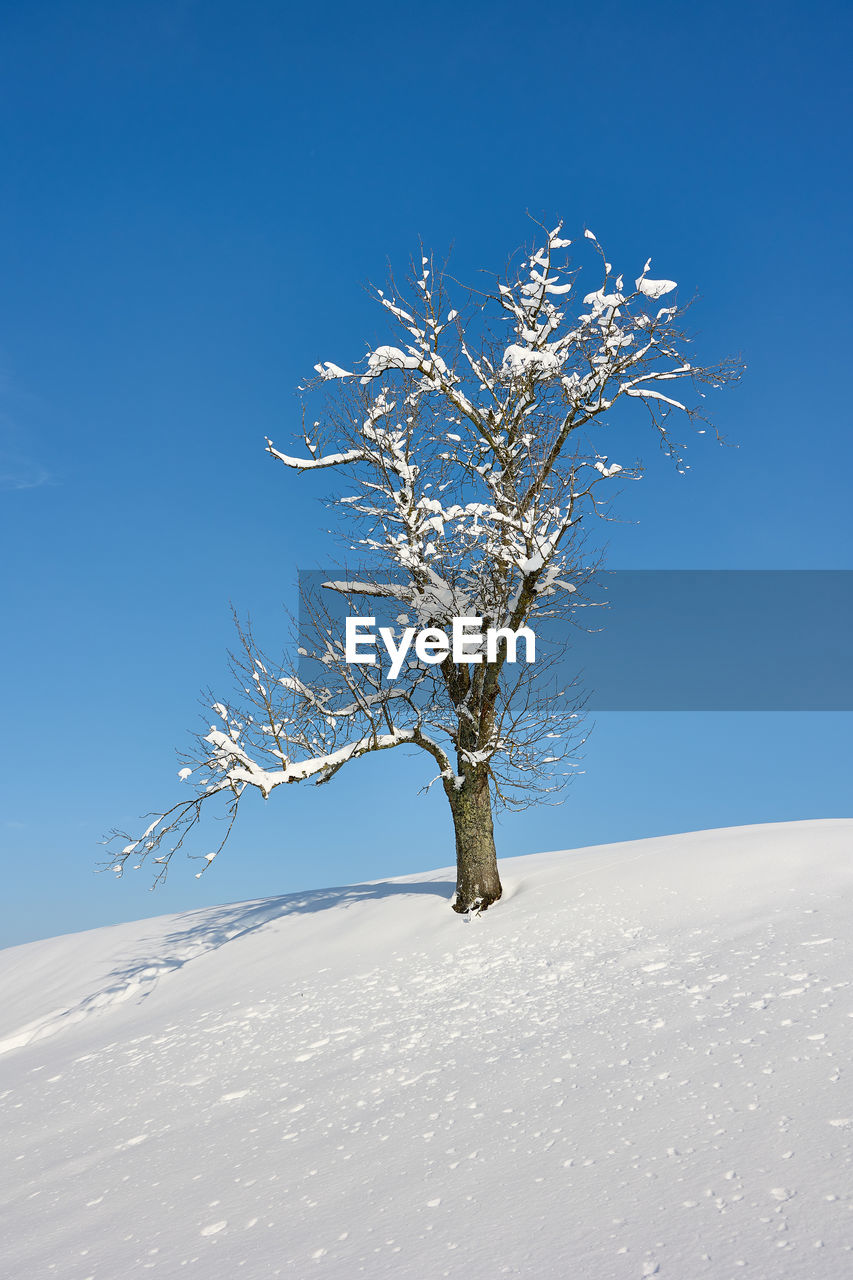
[(638, 1064)]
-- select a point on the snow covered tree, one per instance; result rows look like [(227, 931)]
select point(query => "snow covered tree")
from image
[(470, 462)]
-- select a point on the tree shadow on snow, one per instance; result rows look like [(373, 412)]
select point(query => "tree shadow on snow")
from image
[(195, 933), (206, 929)]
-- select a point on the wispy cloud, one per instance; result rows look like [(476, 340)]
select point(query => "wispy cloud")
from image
[(20, 467), (24, 477)]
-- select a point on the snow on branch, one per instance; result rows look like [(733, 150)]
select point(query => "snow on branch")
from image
[(309, 464)]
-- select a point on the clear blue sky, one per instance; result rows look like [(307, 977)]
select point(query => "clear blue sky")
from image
[(192, 197)]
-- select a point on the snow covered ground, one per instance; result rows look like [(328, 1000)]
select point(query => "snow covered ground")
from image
[(638, 1064)]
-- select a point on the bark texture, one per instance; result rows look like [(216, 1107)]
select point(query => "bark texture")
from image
[(478, 883)]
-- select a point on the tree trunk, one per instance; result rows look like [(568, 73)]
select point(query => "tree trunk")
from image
[(478, 883)]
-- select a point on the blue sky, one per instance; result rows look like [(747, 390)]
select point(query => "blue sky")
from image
[(193, 196)]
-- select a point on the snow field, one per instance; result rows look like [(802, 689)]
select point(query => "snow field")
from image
[(635, 1065)]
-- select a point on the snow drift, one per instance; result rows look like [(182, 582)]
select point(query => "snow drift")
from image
[(635, 1065)]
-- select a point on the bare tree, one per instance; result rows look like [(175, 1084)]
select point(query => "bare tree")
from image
[(471, 469)]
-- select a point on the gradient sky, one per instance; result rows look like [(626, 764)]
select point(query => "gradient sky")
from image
[(193, 196)]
